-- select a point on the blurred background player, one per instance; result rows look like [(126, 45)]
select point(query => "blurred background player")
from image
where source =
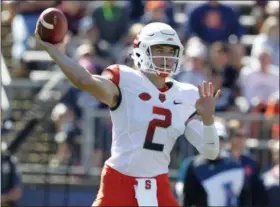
[(179, 187), (271, 177), (213, 21), (11, 184), (237, 148), (219, 182)]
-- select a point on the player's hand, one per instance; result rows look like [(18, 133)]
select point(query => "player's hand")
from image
[(45, 45), (39, 40), (205, 105)]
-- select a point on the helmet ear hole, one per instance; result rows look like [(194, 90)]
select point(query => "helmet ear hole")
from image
[(137, 54)]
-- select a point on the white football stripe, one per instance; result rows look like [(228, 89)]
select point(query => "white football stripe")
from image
[(46, 24)]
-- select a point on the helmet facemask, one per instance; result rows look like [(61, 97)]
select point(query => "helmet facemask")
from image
[(161, 65)]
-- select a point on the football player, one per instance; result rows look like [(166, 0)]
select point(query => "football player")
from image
[(219, 182), (149, 110)]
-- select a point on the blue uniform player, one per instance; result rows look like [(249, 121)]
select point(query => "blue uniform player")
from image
[(257, 195), (219, 182)]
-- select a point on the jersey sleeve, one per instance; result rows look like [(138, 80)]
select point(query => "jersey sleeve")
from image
[(113, 74)]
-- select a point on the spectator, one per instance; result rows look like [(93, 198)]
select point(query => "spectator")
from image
[(137, 10), (85, 55), (235, 64), (271, 111), (169, 10), (159, 11), (74, 12), (11, 189), (271, 177), (226, 100), (260, 80), (261, 3), (213, 21), (259, 14), (88, 31), (194, 70), (254, 185), (269, 37), (220, 55), (27, 13), (217, 182), (112, 20), (67, 130), (89, 34), (155, 12)]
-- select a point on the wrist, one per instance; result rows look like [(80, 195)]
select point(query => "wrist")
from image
[(208, 121)]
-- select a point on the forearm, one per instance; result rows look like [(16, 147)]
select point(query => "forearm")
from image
[(98, 86), (204, 138)]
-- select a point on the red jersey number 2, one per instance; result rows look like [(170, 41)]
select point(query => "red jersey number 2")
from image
[(163, 123)]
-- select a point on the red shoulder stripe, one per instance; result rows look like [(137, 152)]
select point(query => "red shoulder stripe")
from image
[(112, 73)]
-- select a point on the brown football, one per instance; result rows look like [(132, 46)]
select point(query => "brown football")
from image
[(52, 26)]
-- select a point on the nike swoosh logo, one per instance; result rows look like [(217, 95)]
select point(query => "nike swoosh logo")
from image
[(211, 143), (177, 102)]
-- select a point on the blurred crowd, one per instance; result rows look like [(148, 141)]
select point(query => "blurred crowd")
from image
[(101, 33)]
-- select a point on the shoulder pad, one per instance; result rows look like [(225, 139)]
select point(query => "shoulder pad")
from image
[(112, 72)]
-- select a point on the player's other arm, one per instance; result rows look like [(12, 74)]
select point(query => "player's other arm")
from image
[(99, 86), (204, 138), (203, 135)]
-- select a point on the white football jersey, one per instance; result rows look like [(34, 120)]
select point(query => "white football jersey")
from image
[(146, 122)]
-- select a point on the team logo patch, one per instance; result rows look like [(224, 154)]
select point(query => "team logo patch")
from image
[(162, 97), (145, 96)]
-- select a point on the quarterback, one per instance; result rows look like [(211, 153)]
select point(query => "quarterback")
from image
[(149, 110)]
